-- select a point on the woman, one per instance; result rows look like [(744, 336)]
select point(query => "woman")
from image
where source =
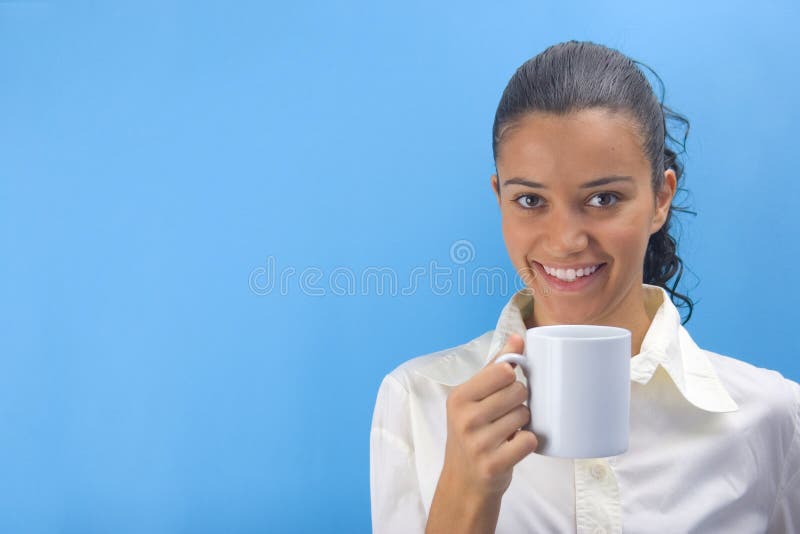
[(585, 184)]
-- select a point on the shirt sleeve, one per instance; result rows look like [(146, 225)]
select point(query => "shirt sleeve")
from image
[(785, 517), (394, 489)]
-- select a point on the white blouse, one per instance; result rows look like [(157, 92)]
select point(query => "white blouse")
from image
[(714, 443)]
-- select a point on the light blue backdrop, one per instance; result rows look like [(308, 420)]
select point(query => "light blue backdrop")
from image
[(161, 160)]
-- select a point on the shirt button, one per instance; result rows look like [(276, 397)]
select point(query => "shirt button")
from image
[(598, 471), (599, 530)]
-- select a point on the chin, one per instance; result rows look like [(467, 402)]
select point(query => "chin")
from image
[(568, 314)]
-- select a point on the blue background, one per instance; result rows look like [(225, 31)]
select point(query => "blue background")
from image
[(155, 155)]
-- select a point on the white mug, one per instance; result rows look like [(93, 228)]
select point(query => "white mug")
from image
[(578, 389)]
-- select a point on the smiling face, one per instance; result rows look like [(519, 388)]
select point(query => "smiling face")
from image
[(553, 215)]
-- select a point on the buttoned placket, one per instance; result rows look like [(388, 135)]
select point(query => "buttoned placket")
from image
[(597, 501)]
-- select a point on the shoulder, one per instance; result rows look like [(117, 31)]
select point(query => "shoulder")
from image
[(418, 386), (768, 423), (449, 367), (759, 389), (748, 378)]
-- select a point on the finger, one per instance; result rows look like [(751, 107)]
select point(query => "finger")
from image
[(493, 377), (511, 452), (489, 437), (487, 381), (497, 432), (503, 401)]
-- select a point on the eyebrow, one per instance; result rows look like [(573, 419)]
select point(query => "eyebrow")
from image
[(594, 183)]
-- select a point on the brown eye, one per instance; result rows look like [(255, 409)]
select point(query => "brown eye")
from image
[(613, 200), (527, 201)]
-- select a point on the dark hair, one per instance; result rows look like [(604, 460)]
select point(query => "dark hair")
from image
[(572, 76)]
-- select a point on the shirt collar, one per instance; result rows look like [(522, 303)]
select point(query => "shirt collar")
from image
[(667, 344)]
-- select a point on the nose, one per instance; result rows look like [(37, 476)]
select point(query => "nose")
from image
[(566, 234)]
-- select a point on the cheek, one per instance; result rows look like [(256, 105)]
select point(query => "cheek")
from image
[(626, 237), (517, 233)]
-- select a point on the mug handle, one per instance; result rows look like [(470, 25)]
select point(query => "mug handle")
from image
[(519, 359), (522, 361)]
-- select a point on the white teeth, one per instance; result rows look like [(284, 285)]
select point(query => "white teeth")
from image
[(570, 275)]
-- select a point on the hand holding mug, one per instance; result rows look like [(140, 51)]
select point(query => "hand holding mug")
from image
[(484, 415)]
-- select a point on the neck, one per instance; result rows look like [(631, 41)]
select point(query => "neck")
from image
[(631, 314)]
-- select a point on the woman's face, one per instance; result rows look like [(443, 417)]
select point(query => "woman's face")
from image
[(554, 216)]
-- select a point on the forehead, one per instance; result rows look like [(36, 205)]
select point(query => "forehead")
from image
[(575, 145)]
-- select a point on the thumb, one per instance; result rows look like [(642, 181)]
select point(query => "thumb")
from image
[(514, 343)]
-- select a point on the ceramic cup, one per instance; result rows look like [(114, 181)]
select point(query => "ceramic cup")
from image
[(578, 389)]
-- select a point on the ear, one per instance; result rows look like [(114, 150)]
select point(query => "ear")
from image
[(664, 200), (496, 187)]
